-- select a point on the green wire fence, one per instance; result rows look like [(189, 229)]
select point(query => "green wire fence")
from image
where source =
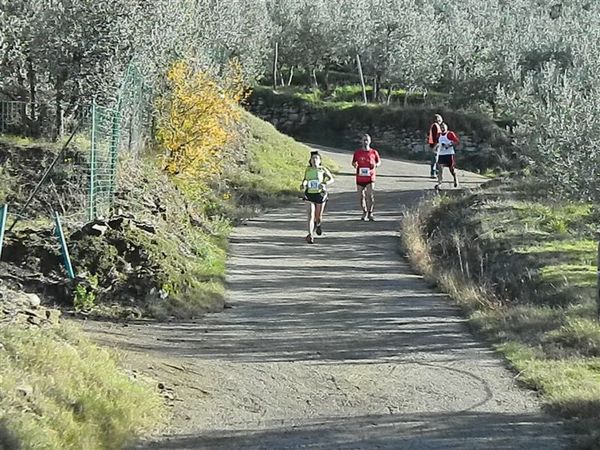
[(83, 177)]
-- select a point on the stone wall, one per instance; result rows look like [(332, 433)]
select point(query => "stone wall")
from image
[(322, 125)]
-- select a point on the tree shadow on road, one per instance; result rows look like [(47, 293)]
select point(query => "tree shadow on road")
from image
[(347, 298), (455, 430)]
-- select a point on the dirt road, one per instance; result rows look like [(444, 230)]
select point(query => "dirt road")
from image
[(334, 346)]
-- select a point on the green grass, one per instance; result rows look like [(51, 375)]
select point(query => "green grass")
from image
[(58, 391), (344, 95), (19, 141), (275, 165), (571, 386), (570, 275), (530, 286)]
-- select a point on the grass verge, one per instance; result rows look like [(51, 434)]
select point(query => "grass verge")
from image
[(58, 391), (524, 270), (274, 165)]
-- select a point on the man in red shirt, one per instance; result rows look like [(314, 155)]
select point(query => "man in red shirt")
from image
[(432, 139), (365, 161)]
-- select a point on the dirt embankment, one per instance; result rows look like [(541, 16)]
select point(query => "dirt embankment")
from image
[(123, 262)]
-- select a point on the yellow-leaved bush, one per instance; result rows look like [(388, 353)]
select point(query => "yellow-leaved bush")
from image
[(197, 118)]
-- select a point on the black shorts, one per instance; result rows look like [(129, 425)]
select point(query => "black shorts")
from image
[(364, 184), (317, 198), (447, 160)]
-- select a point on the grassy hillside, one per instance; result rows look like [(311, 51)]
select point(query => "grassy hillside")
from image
[(58, 391), (524, 268), (274, 165), (164, 252)]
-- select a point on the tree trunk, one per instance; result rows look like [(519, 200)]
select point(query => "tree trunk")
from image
[(58, 114), (375, 88), (425, 97), (314, 77), (390, 93), (275, 63), (33, 124), (362, 79), (409, 92), (290, 79), (326, 80)]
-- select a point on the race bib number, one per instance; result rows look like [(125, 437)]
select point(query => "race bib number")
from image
[(313, 184), (364, 172)]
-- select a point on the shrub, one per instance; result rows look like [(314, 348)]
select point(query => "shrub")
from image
[(197, 118)]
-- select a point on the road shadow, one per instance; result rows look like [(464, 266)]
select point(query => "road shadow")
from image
[(349, 297), (455, 430)]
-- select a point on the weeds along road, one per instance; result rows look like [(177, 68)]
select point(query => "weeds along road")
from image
[(337, 345)]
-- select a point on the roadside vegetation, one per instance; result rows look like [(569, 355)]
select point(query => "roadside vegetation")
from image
[(60, 391), (524, 269)]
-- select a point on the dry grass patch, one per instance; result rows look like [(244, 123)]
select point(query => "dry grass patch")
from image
[(522, 272)]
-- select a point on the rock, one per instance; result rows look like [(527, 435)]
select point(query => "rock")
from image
[(24, 390), (34, 320), (53, 316), (116, 223), (33, 300), (147, 227), (98, 229), (31, 313)]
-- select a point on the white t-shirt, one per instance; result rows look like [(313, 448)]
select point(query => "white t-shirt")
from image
[(446, 146)]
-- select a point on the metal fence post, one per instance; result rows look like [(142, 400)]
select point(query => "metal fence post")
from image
[(63, 244), (598, 278), (92, 210), (114, 149), (3, 215)]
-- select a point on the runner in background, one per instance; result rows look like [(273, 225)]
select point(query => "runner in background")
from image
[(432, 139), (365, 161), (445, 150), (316, 179)]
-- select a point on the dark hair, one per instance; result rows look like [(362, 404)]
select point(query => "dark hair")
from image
[(313, 153)]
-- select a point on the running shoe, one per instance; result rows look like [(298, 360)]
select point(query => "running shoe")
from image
[(310, 239), (371, 217), (318, 229), (364, 216), (455, 182)]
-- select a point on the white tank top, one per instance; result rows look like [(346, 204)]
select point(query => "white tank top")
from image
[(446, 145)]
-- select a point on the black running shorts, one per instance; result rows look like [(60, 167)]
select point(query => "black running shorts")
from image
[(447, 160), (318, 198)]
